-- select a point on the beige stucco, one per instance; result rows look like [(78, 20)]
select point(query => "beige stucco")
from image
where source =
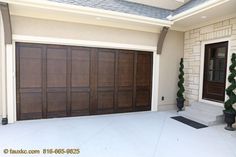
[(169, 59), (0, 85), (58, 29), (1, 53), (169, 64)]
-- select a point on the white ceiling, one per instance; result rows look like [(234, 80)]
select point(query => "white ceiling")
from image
[(167, 4), (221, 11)]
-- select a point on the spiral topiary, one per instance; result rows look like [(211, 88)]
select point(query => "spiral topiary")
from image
[(230, 90), (181, 81)]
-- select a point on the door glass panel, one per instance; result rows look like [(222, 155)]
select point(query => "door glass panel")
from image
[(217, 76), (216, 64)]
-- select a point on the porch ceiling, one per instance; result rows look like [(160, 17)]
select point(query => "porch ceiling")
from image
[(213, 14), (166, 4)]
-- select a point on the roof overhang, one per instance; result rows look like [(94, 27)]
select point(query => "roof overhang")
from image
[(78, 14), (73, 13)]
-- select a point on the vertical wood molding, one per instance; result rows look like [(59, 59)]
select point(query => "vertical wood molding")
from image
[(68, 80), (6, 22), (161, 39), (44, 82), (9, 89), (3, 70), (135, 80), (7, 65)]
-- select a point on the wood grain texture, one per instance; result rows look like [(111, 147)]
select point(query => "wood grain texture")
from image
[(215, 71), (62, 81)]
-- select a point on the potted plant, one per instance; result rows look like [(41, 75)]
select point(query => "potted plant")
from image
[(229, 111), (180, 97)]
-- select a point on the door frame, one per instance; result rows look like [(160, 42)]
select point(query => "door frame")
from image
[(86, 43), (202, 62)]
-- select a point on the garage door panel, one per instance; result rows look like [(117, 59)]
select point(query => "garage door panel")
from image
[(125, 99), (106, 68), (144, 70), (80, 102), (56, 104), (125, 68), (143, 98), (31, 105), (31, 67), (56, 67), (80, 67), (82, 89), (143, 82), (105, 100)]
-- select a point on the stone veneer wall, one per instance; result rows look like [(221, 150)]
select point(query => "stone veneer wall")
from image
[(192, 52)]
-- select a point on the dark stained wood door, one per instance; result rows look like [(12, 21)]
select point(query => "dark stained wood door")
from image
[(125, 81), (80, 84), (30, 81), (105, 85), (215, 71), (61, 81), (143, 81)]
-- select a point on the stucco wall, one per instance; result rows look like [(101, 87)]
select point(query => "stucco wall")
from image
[(169, 60), (58, 29), (0, 81), (169, 65), (1, 41), (192, 52)]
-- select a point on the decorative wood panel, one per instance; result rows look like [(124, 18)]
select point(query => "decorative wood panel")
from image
[(61, 81), (80, 67), (31, 67), (80, 81), (56, 80), (80, 103), (144, 71), (143, 81), (56, 104), (29, 82), (125, 81), (106, 80), (56, 67), (105, 102), (125, 99), (126, 68), (106, 68), (31, 105)]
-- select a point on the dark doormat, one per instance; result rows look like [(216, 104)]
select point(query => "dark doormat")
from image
[(189, 122)]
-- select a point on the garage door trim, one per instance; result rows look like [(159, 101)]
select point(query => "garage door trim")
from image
[(67, 41)]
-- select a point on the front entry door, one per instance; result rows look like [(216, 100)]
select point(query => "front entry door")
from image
[(215, 71)]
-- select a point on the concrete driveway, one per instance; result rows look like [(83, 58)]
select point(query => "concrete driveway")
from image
[(142, 134)]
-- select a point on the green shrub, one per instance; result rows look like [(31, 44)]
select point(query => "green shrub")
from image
[(232, 87), (181, 81)]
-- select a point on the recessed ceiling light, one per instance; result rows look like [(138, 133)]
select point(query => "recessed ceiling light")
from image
[(182, 1), (203, 17)]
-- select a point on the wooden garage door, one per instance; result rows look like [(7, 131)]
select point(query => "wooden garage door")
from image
[(61, 81)]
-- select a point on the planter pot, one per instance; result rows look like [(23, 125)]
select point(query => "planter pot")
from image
[(180, 104), (229, 120)]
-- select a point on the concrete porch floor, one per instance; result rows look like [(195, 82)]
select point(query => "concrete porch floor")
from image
[(142, 134)]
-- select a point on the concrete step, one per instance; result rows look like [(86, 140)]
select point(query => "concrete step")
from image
[(204, 113), (208, 108)]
